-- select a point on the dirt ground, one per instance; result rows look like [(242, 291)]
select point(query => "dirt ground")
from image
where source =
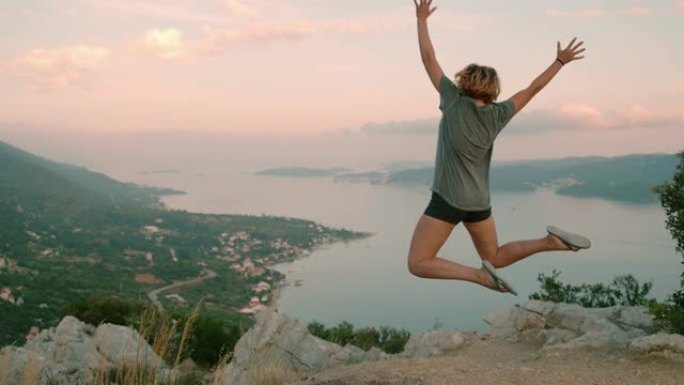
[(491, 362)]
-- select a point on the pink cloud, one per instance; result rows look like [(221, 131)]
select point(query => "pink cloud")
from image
[(631, 11), (585, 117), (239, 8), (566, 117), (165, 44), (586, 13), (58, 68), (640, 11), (178, 11), (216, 39)]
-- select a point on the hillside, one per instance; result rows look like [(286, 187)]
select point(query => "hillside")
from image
[(625, 179), (68, 233)]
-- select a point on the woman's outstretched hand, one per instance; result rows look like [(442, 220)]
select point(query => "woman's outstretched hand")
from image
[(570, 53), (424, 8)]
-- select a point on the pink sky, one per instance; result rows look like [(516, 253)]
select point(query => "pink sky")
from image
[(341, 73)]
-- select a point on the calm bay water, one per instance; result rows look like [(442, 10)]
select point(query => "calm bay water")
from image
[(367, 283)]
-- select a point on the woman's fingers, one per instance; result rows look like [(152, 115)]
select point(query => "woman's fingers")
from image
[(571, 43)]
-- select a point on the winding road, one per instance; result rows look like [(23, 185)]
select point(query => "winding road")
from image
[(153, 295)]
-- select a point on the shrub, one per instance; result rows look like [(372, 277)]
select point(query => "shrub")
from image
[(389, 340), (97, 310), (670, 314), (211, 340), (624, 290)]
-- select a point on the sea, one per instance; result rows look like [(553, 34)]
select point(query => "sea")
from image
[(366, 282)]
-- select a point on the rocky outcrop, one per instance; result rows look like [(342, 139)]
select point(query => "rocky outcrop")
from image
[(76, 353), (668, 345), (434, 343), (570, 326), (277, 343)]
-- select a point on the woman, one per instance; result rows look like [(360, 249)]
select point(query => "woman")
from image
[(471, 120)]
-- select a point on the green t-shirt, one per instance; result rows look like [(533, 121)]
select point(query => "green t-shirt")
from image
[(464, 147)]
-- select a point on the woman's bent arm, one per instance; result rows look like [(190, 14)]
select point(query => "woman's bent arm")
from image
[(427, 52), (563, 57)]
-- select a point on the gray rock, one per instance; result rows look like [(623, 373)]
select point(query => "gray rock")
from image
[(375, 354), (73, 353), (671, 345), (278, 342), (568, 326), (122, 345), (434, 343)]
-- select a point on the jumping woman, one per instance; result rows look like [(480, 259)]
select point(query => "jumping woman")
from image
[(471, 120)]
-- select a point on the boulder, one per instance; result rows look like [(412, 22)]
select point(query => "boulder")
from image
[(558, 325), (74, 353), (279, 344), (121, 345), (669, 345), (434, 343)]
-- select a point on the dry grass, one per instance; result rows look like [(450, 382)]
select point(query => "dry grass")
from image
[(4, 366), (32, 372), (270, 372)]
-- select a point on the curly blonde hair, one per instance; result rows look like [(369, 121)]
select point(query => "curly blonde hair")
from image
[(479, 82)]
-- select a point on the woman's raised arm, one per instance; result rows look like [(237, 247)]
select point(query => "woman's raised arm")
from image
[(563, 57), (427, 53)]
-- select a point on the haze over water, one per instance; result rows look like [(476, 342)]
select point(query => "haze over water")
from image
[(367, 283)]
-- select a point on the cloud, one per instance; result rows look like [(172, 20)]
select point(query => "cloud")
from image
[(58, 68), (167, 11), (216, 39), (165, 44), (568, 116), (640, 11), (577, 116), (585, 13), (239, 8), (636, 11)]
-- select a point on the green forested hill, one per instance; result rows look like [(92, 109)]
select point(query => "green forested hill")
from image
[(67, 234)]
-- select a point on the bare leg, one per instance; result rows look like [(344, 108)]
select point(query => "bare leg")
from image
[(484, 237), (428, 237)]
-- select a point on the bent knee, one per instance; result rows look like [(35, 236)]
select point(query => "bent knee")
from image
[(415, 268)]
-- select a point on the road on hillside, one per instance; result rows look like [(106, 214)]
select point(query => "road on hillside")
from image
[(154, 294)]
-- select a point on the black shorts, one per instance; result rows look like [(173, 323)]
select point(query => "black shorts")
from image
[(440, 209)]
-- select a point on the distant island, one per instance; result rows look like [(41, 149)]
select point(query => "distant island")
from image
[(68, 234), (302, 172), (627, 179)]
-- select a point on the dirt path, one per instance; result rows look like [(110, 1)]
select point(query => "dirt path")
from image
[(154, 294), (489, 362)]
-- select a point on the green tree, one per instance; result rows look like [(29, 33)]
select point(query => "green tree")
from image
[(97, 310), (670, 315), (211, 340)]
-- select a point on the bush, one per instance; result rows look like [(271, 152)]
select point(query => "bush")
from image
[(211, 340), (624, 290), (670, 314), (389, 340), (97, 310)]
